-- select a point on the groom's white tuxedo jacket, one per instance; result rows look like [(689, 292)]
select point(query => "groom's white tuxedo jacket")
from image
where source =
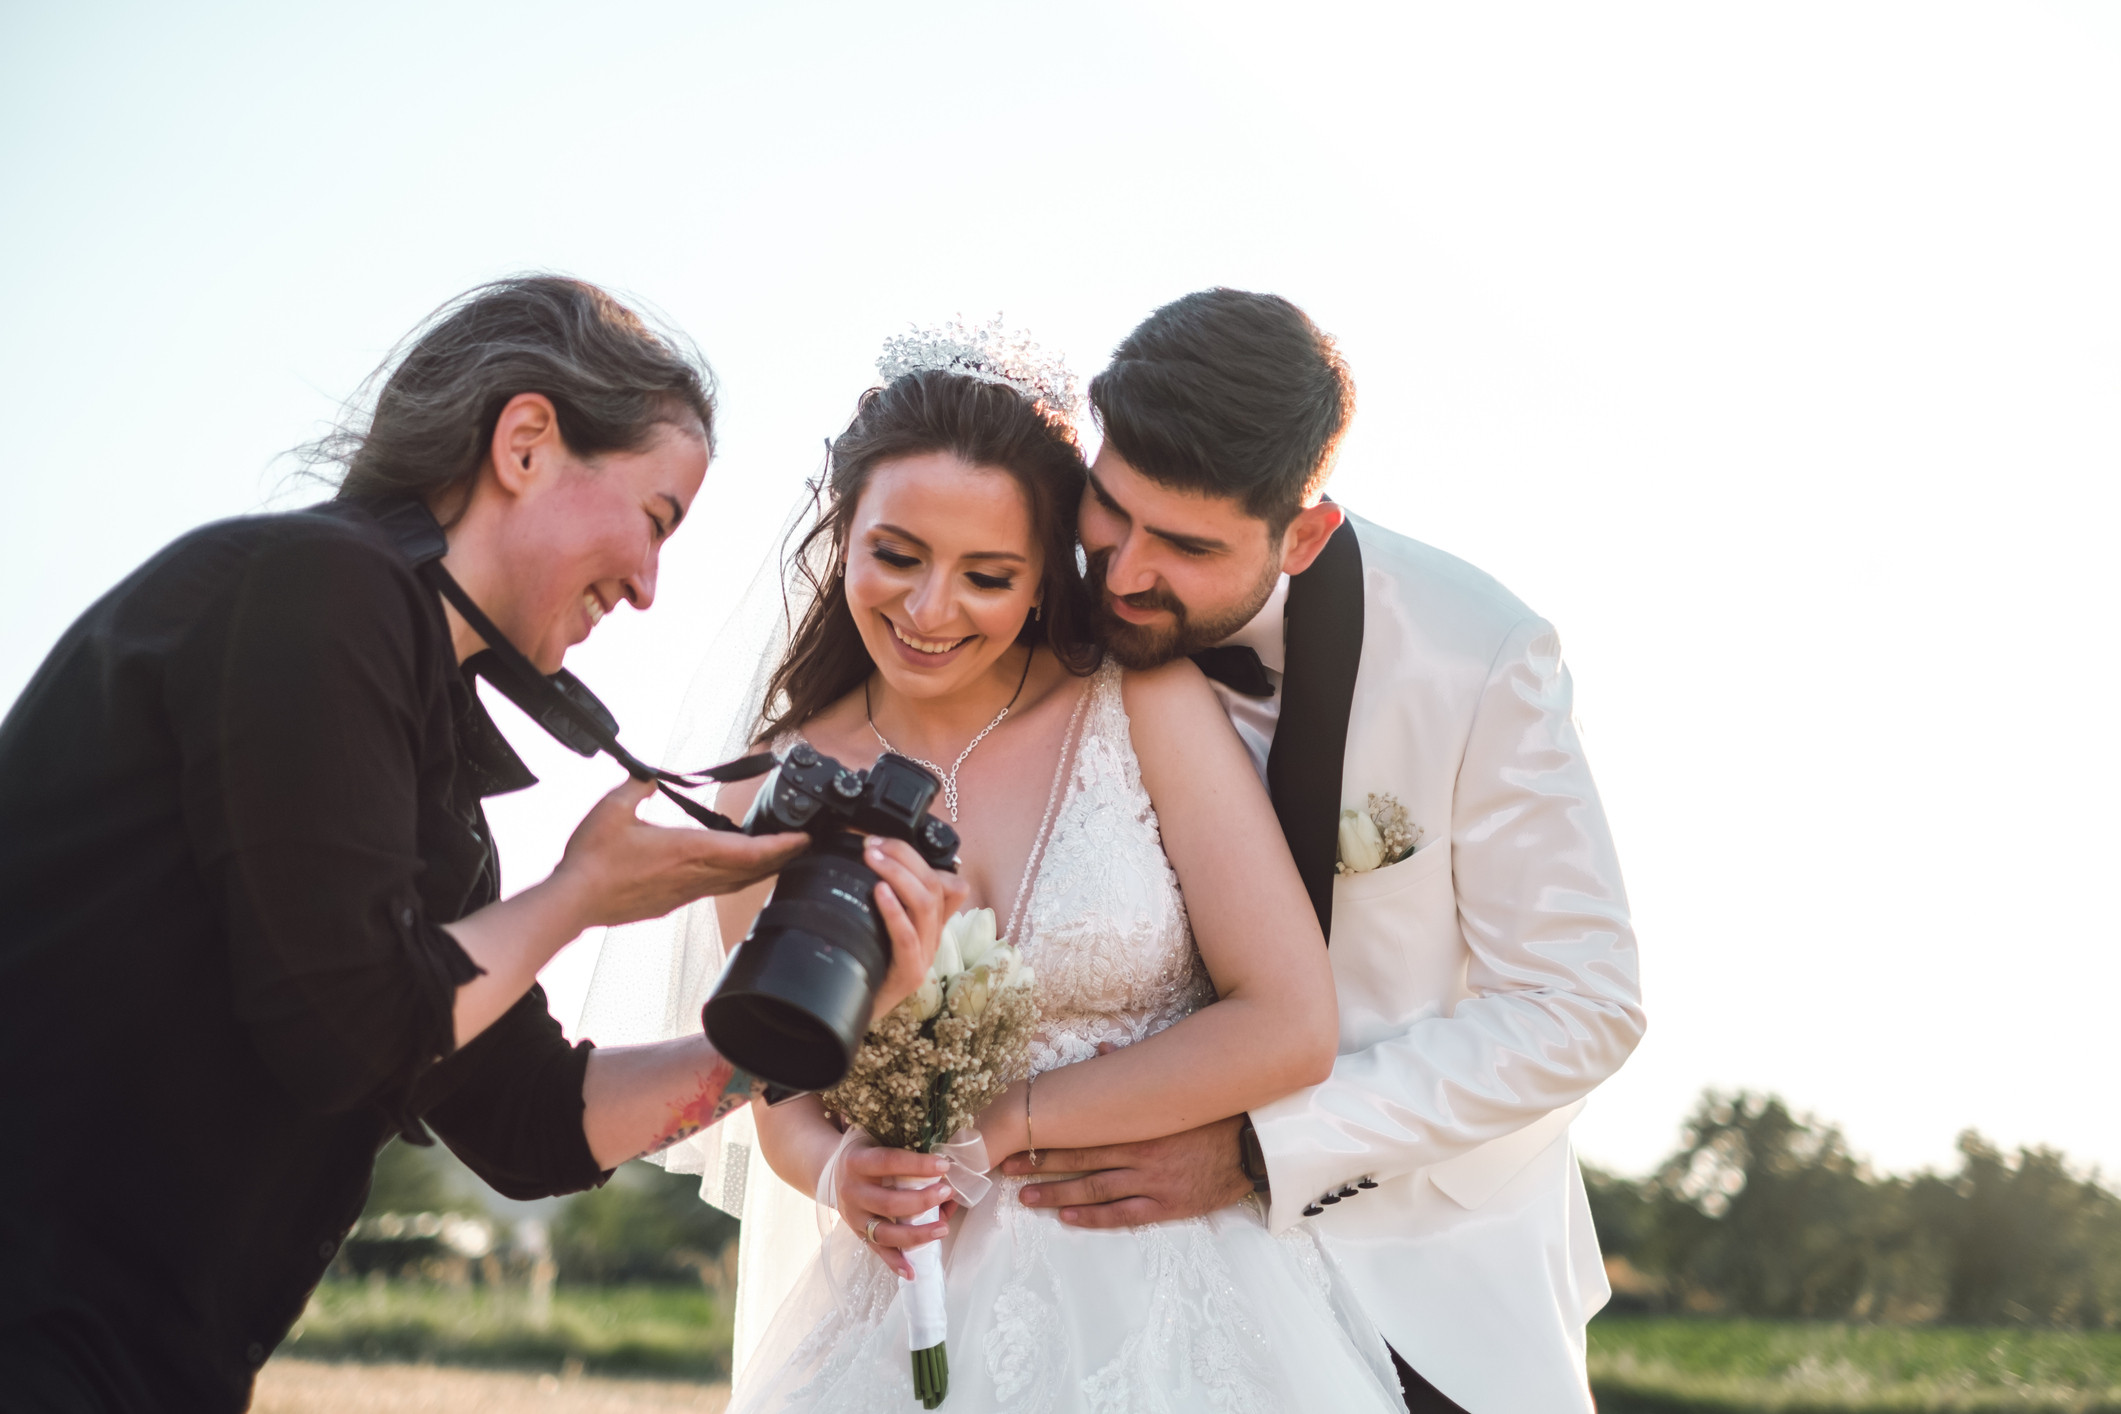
[(1487, 983)]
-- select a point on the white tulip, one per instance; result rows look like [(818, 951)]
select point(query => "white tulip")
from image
[(976, 938), (929, 999), (970, 991), (1019, 974), (949, 961), (1362, 847)]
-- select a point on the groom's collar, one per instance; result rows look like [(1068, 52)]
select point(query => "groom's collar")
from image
[(1263, 633)]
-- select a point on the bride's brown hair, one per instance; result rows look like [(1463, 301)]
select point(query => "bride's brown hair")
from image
[(983, 424)]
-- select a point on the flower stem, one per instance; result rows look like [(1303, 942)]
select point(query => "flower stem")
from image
[(931, 1375)]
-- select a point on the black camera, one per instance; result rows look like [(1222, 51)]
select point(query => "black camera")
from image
[(794, 1002)]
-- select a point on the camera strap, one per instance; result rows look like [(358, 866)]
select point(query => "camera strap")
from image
[(571, 713)]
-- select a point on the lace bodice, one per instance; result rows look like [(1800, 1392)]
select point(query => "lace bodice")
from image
[(1104, 924)]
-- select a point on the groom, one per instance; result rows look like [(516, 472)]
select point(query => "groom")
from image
[(1487, 979)]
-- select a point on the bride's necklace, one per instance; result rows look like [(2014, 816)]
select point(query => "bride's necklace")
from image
[(949, 777)]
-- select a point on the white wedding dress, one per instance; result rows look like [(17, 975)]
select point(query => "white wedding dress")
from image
[(1206, 1314)]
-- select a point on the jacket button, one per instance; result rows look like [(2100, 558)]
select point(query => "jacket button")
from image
[(1329, 1197), (255, 1353), (1367, 1183), (1348, 1192), (326, 1248), (406, 918), (1312, 1210)]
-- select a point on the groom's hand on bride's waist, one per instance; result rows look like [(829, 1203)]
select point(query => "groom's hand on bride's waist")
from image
[(1126, 1185)]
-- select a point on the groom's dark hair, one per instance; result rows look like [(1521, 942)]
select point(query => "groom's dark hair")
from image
[(1232, 394)]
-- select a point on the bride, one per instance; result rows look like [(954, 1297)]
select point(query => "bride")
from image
[(1114, 822)]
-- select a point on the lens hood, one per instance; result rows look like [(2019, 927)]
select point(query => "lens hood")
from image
[(794, 1002)]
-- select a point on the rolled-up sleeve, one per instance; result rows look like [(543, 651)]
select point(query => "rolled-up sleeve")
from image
[(299, 711), (512, 1105)]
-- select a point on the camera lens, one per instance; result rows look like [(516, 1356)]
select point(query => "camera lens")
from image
[(794, 1002)]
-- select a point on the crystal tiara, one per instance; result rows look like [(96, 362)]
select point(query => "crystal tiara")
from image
[(989, 353)]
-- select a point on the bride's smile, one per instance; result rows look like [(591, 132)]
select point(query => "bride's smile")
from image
[(942, 573), (927, 647)]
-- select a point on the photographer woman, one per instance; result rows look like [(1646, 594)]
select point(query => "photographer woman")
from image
[(249, 927)]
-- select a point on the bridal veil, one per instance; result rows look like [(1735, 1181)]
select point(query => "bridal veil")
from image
[(652, 978)]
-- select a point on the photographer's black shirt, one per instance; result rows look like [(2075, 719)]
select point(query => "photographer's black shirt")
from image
[(235, 802)]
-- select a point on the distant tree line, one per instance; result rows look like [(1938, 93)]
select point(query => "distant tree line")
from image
[(1765, 1213), (1759, 1213), (644, 1226)]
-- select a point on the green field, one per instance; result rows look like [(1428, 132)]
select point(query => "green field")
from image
[(1638, 1366), (643, 1330), (1651, 1366)]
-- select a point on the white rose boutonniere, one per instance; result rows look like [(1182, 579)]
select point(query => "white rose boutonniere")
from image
[(1362, 848), (1377, 835)]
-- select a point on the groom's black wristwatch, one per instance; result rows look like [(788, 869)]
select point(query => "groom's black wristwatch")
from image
[(1251, 1159)]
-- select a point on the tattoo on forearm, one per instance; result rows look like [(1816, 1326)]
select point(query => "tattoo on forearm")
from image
[(721, 1090)]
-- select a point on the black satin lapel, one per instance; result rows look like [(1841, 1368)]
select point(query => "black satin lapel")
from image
[(1322, 636)]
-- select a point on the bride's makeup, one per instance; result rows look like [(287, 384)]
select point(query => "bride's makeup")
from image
[(940, 573)]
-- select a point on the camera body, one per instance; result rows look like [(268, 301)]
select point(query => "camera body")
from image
[(810, 791), (795, 1000)]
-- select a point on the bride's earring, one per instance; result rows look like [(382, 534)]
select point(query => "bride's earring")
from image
[(1038, 611)]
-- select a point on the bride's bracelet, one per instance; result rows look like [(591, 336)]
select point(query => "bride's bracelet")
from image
[(1030, 1144)]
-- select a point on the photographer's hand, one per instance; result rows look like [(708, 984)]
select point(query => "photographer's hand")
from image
[(625, 869), (639, 1099), (617, 869), (915, 901)]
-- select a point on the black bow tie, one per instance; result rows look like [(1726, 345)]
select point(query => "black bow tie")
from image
[(1236, 668)]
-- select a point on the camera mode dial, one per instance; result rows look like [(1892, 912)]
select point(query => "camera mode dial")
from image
[(803, 754), (847, 785)]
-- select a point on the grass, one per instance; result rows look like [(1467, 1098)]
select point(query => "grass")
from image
[(633, 1330), (1638, 1365), (1648, 1366)]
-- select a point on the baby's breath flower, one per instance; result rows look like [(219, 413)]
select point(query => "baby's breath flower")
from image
[(1401, 835)]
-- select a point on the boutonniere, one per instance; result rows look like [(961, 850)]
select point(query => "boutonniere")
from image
[(1376, 835)]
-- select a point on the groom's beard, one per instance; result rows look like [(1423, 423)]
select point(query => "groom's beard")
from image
[(1139, 646)]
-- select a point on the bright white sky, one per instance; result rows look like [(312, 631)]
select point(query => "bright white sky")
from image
[(1773, 352)]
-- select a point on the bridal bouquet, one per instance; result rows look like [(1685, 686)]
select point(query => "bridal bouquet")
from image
[(923, 1074)]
